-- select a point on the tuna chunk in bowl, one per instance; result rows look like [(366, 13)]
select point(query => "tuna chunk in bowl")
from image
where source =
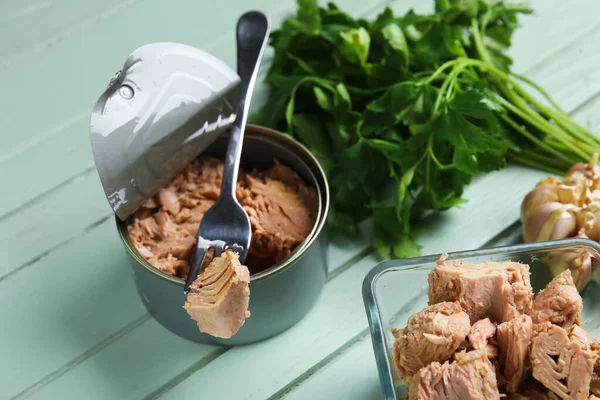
[(487, 323), (284, 191)]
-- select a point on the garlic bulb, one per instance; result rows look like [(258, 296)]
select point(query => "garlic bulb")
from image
[(562, 208)]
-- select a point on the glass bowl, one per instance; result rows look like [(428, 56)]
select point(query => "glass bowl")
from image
[(396, 289)]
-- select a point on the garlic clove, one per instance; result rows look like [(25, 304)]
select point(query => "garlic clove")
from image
[(571, 194), (538, 196), (549, 221)]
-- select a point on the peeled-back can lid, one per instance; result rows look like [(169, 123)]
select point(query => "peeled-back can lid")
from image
[(167, 105)]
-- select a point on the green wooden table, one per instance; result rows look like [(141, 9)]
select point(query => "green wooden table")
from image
[(72, 324)]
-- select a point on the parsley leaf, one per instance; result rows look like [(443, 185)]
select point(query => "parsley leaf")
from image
[(419, 104)]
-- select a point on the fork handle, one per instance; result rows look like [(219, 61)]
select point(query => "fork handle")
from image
[(252, 35)]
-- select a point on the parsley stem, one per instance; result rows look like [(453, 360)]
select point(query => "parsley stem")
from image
[(428, 162), (460, 66), (533, 139), (565, 122), (547, 127), (523, 109), (479, 43), (539, 89), (438, 71), (559, 116), (533, 121), (546, 160), (521, 159)]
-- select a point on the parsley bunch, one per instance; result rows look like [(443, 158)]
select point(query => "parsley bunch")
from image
[(421, 101)]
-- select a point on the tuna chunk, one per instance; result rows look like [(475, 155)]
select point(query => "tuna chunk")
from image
[(563, 361), (482, 335), (433, 334), (219, 297), (470, 377), (595, 383), (514, 338), (282, 211), (163, 243), (499, 291), (168, 200), (559, 303)]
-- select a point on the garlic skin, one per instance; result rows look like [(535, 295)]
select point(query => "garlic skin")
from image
[(589, 171), (561, 208), (588, 220)]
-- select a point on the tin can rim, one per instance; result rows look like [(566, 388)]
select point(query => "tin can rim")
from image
[(324, 199)]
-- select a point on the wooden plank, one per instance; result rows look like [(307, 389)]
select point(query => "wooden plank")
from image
[(130, 367), (64, 305), (33, 25), (351, 375), (466, 222), (51, 222), (567, 74), (357, 364)]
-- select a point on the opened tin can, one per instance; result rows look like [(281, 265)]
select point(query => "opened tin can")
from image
[(139, 146), (279, 296)]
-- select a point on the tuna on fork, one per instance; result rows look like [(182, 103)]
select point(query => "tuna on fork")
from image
[(514, 338), (558, 303), (219, 296), (563, 361), (470, 377), (432, 334), (499, 291)]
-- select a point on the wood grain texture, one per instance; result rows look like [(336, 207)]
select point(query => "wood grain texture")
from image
[(351, 375), (37, 24), (77, 70), (155, 353), (68, 277)]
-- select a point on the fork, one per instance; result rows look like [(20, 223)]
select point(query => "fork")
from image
[(226, 224)]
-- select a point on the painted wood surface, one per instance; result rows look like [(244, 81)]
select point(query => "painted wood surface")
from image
[(69, 311)]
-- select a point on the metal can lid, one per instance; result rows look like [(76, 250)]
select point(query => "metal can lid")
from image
[(169, 102)]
